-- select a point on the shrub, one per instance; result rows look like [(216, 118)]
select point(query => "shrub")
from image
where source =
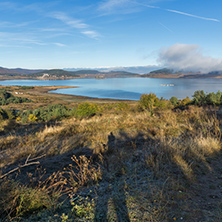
[(123, 107), (185, 101), (10, 114), (199, 97), (86, 110), (17, 199), (174, 100), (3, 114), (32, 118), (214, 99), (148, 101), (4, 95), (163, 104), (24, 119), (51, 112), (26, 87), (6, 98), (84, 172)]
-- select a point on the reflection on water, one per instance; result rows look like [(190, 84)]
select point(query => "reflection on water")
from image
[(127, 88)]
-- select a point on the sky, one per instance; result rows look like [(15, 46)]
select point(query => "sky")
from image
[(180, 34)]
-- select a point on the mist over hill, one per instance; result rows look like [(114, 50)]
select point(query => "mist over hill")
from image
[(131, 69), (173, 73)]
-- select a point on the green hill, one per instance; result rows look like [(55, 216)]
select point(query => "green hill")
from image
[(85, 71), (54, 73), (162, 71)]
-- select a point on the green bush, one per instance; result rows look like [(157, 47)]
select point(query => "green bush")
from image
[(174, 100), (24, 119), (123, 107), (199, 97), (185, 101), (49, 113), (6, 98), (4, 95), (10, 114), (214, 98), (148, 101), (86, 110), (19, 200), (26, 87), (3, 114)]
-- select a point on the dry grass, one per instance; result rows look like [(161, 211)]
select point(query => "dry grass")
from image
[(18, 200), (192, 132), (141, 175)]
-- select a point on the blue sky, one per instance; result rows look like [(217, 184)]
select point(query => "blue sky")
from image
[(84, 33)]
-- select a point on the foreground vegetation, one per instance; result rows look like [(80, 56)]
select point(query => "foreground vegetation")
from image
[(151, 160)]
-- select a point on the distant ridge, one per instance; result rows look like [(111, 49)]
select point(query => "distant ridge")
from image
[(80, 73), (87, 71), (94, 73), (60, 73), (17, 71)]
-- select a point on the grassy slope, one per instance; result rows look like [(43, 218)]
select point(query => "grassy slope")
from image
[(164, 167)]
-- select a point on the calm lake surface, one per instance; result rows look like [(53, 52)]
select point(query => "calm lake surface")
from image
[(126, 88)]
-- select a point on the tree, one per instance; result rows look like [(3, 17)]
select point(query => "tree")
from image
[(174, 100), (199, 97)]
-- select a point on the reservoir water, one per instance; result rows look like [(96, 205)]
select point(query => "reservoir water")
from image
[(126, 88)]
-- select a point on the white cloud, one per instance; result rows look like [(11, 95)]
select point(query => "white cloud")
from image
[(59, 44), (13, 25), (118, 7), (91, 34), (188, 58), (113, 4), (74, 23)]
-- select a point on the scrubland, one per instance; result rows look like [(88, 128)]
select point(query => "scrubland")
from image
[(150, 160)]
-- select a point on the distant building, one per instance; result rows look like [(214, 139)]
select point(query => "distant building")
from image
[(45, 75)]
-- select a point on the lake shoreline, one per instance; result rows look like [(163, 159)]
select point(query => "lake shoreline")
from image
[(46, 91), (118, 89), (95, 99)]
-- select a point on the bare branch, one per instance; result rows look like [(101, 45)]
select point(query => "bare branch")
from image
[(19, 167), (27, 159), (24, 165), (36, 158)]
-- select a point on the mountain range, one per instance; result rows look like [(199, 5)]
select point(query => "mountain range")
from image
[(62, 74), (106, 73), (6, 71), (131, 69)]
